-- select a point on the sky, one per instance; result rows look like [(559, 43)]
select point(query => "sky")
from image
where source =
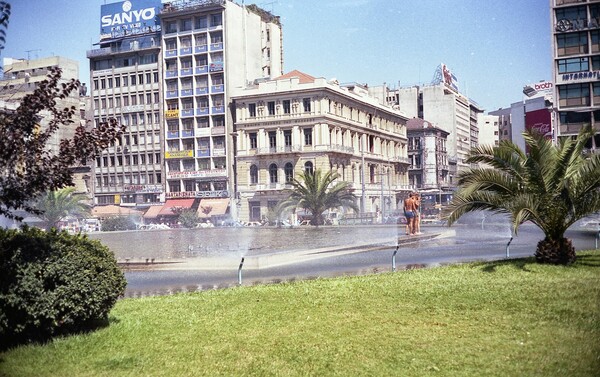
[(493, 47)]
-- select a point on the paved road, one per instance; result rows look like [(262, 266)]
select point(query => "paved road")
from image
[(438, 246)]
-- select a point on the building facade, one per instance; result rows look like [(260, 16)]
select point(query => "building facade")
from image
[(428, 156), (299, 123), (489, 130), (576, 65), (211, 48), (125, 76)]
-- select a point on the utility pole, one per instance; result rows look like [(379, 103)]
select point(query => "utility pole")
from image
[(30, 51)]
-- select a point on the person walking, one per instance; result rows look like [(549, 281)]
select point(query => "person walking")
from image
[(417, 211), (409, 213)]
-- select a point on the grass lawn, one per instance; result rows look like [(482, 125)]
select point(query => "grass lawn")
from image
[(506, 318)]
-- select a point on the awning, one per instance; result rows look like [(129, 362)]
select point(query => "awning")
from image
[(173, 205), (152, 212), (114, 210), (213, 207)]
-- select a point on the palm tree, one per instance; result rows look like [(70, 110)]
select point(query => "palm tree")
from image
[(317, 193), (56, 205), (552, 186)]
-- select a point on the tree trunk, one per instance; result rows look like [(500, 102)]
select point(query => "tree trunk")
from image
[(560, 251)]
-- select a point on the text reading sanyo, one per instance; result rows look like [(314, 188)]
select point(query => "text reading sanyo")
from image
[(128, 16)]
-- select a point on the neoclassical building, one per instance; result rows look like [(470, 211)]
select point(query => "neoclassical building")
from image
[(297, 123)]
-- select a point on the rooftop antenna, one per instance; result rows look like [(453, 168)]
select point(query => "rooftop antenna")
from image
[(30, 51)]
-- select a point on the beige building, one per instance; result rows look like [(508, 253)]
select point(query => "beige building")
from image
[(429, 167), (297, 123)]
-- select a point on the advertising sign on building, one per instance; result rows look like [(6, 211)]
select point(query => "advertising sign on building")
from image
[(179, 154), (449, 79), (129, 18), (538, 89), (539, 121)]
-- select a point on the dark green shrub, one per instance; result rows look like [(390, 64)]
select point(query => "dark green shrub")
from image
[(118, 223), (54, 283)]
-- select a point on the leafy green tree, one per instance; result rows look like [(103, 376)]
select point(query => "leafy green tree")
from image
[(56, 205), (552, 186), (28, 168), (318, 192), (188, 218), (118, 223)]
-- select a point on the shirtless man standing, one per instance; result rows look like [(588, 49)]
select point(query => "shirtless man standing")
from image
[(409, 213)]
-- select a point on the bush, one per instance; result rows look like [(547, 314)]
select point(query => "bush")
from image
[(118, 223), (54, 283)]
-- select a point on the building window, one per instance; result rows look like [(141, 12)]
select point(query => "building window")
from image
[(271, 107), (308, 136), (573, 65), (306, 104), (273, 173), (287, 137), (253, 140), (289, 172), (571, 44), (171, 27), (186, 24), (574, 95), (308, 168), (272, 139), (253, 175), (252, 110), (201, 22), (216, 20), (286, 106)]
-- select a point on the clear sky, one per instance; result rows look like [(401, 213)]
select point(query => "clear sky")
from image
[(494, 47)]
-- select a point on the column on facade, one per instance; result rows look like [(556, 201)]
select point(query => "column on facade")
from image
[(297, 136)]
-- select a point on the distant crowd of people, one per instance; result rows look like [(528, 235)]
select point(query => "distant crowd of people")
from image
[(412, 206)]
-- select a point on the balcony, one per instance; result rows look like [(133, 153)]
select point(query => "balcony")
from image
[(218, 130), (220, 88), (187, 133), (218, 152), (204, 152), (203, 90), (172, 134), (187, 113), (171, 73), (172, 93), (186, 92), (185, 51), (201, 69), (201, 48), (202, 111), (216, 46), (170, 53), (281, 149), (218, 110), (186, 72), (215, 67)]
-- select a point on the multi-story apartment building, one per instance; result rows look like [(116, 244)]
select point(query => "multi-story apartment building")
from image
[(429, 168), (298, 123), (489, 130), (211, 48), (576, 65), (22, 77), (125, 76)]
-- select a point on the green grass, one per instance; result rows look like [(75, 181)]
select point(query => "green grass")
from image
[(507, 318)]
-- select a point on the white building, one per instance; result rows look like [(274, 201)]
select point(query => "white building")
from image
[(212, 48)]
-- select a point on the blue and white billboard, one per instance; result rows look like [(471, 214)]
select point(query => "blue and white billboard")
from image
[(129, 17)]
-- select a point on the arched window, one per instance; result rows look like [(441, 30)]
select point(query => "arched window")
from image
[(289, 172), (253, 174), (273, 173), (308, 168)]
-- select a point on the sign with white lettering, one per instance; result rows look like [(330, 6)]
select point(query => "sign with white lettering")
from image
[(197, 194), (129, 17)]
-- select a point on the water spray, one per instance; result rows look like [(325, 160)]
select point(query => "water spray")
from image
[(394, 257), (507, 247), (240, 272)]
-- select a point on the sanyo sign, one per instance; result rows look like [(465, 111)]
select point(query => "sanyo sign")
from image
[(128, 15)]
